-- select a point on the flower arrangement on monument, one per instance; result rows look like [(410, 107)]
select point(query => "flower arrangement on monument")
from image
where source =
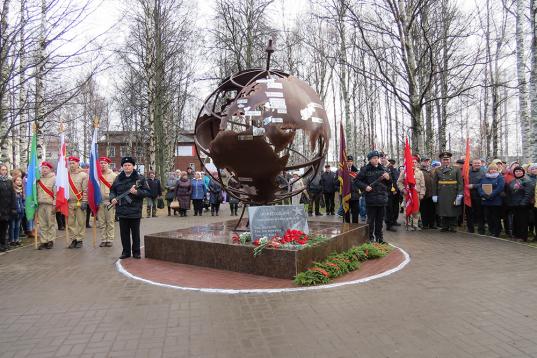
[(291, 240)]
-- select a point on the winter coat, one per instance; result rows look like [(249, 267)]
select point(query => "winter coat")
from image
[(518, 192), (198, 189), (171, 183), (494, 199), (154, 187), (183, 192), (475, 178), (394, 176), (215, 193), (532, 179), (231, 199), (297, 185), (370, 175), (314, 186), (428, 179), (447, 184), (329, 182), (8, 200), (420, 182), (122, 184)]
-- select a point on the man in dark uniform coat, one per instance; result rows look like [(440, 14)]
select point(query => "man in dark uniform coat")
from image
[(474, 214), (447, 192), (392, 209), (330, 185), (374, 180)]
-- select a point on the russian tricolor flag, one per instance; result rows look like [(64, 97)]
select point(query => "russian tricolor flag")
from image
[(94, 190)]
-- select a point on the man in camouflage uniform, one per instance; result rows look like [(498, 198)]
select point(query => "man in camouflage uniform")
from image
[(447, 192), (78, 202), (46, 211), (105, 217)]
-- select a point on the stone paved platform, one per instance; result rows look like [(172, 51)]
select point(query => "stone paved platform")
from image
[(461, 296)]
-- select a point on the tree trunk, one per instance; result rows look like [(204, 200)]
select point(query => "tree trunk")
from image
[(40, 82), (4, 74), (521, 76), (532, 145)]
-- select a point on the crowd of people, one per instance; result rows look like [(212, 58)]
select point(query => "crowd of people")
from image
[(500, 198)]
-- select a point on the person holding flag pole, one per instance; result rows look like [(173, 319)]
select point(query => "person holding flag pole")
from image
[(62, 183), (33, 176), (78, 202), (46, 211), (95, 175), (105, 217), (411, 183)]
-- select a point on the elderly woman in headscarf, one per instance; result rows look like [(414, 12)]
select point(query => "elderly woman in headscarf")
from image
[(8, 205)]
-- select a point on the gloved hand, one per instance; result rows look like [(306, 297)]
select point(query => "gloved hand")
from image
[(84, 206), (435, 199), (458, 200)]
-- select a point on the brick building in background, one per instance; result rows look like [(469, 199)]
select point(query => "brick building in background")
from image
[(115, 145)]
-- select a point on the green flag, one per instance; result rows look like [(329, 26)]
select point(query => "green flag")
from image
[(31, 183)]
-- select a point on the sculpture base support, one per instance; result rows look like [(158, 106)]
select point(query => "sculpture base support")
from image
[(211, 246)]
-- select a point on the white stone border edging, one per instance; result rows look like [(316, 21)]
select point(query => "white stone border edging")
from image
[(405, 262)]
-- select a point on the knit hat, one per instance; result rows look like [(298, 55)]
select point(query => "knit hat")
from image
[(532, 166)]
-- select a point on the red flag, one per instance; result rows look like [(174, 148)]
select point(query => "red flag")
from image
[(344, 172), (411, 199), (466, 175)]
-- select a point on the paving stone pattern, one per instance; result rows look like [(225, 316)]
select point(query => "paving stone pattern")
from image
[(461, 296)]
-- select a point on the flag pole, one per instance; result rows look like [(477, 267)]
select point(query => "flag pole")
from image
[(95, 126), (62, 129), (67, 230), (36, 228)]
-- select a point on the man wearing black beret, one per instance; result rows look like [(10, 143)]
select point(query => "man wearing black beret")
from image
[(129, 208)]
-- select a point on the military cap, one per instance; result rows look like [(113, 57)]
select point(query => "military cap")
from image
[(373, 153), (445, 155)]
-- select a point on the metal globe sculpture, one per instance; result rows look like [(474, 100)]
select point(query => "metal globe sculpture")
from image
[(248, 127)]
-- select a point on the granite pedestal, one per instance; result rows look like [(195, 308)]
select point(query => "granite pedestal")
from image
[(211, 246)]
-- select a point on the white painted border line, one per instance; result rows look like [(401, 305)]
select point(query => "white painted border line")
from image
[(405, 262)]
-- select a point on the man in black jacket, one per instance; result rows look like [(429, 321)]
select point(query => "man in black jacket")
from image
[(156, 192), (129, 208), (474, 213), (374, 181), (330, 185), (315, 191), (392, 208)]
